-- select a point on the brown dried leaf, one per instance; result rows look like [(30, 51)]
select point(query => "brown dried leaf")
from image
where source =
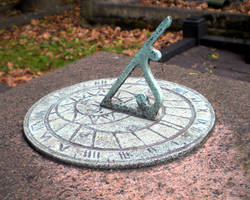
[(34, 22), (46, 35), (129, 52), (10, 65), (195, 66)]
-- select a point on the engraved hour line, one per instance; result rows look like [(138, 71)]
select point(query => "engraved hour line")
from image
[(174, 142), (80, 118), (52, 120), (157, 133), (75, 100), (172, 123), (75, 113), (118, 94), (178, 116), (133, 133), (178, 107), (178, 129), (174, 100), (129, 86), (61, 127), (106, 116), (91, 94), (93, 139), (117, 140), (128, 99), (140, 81), (62, 111), (66, 104), (92, 118), (75, 132)]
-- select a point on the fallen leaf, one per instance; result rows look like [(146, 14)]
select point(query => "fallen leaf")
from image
[(215, 56), (34, 22), (39, 73), (129, 52), (46, 35), (195, 66), (193, 73), (10, 65)]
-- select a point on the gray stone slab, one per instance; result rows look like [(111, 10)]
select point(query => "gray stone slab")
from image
[(216, 170), (4, 88)]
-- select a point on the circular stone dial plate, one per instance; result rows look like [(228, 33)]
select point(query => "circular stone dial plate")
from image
[(69, 124)]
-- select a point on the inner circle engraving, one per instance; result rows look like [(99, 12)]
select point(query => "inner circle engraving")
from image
[(83, 109)]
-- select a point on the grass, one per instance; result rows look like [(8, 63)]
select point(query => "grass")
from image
[(55, 41), (48, 55)]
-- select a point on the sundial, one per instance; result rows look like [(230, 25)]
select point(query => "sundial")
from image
[(120, 123)]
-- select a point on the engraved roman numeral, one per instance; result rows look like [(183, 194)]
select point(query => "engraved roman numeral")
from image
[(91, 154), (37, 126), (63, 148), (201, 121), (40, 114), (45, 137), (151, 150), (195, 99), (199, 130), (180, 91), (124, 155), (202, 110), (101, 82)]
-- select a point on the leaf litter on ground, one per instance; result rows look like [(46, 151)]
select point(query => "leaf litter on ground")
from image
[(234, 7), (58, 40)]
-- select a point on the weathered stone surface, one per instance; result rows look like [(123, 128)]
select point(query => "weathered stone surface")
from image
[(4, 88), (214, 171)]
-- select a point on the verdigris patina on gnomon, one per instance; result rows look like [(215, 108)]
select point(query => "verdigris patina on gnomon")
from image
[(69, 124)]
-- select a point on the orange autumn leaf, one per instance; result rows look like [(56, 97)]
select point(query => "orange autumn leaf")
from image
[(10, 65), (46, 35)]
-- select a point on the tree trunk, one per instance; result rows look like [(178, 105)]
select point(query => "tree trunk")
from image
[(31, 5)]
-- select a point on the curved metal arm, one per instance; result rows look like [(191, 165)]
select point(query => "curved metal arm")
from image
[(141, 59)]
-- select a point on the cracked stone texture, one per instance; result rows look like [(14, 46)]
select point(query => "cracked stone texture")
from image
[(216, 170)]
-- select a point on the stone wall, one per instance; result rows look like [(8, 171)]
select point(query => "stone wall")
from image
[(106, 11)]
